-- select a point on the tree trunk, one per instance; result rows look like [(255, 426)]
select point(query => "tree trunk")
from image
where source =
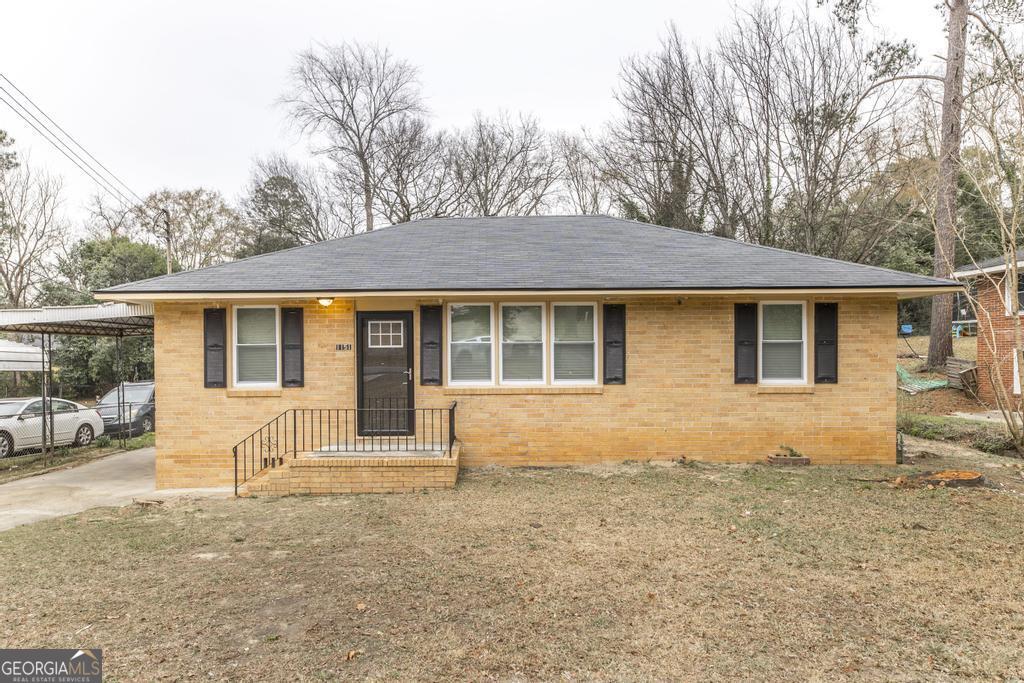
[(941, 346), (368, 195)]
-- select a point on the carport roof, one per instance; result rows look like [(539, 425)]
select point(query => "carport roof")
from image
[(97, 320)]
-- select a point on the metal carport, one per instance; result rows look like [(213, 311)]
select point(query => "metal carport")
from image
[(117, 320)]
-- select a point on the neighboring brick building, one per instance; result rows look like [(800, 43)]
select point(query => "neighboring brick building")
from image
[(994, 327), (563, 340)]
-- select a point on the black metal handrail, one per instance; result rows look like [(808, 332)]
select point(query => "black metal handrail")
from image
[(344, 430)]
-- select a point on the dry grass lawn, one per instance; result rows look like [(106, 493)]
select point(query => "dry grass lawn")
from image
[(964, 347), (631, 572)]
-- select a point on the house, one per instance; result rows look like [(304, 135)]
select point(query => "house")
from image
[(986, 280), (557, 339)]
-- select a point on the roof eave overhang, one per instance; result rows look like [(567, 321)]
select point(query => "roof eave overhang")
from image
[(151, 297), (961, 274)]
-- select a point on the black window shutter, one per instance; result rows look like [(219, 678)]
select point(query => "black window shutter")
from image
[(214, 347), (745, 366), (431, 345), (614, 343), (292, 350), (826, 343)]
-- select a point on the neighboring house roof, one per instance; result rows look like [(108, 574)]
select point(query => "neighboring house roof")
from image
[(526, 254), (15, 356), (995, 264)]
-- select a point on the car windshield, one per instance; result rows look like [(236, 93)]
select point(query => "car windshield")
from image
[(9, 408), (132, 394)]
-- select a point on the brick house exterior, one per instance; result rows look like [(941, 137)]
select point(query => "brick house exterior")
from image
[(994, 329), (687, 380)]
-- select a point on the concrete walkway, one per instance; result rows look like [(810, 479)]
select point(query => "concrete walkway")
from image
[(111, 481), (987, 416)]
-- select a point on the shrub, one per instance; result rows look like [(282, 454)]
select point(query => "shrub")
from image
[(103, 441), (988, 437)]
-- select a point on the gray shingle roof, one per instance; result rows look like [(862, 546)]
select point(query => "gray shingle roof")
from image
[(527, 253), (988, 263)]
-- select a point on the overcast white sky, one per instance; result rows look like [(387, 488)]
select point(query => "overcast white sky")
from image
[(183, 94)]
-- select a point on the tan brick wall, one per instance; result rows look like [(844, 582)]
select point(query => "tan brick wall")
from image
[(680, 399), (993, 326), (318, 476), (197, 426)]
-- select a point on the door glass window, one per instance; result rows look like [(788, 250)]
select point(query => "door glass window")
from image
[(386, 334)]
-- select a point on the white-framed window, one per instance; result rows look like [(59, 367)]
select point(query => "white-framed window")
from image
[(782, 342), (470, 344), (573, 343), (256, 332), (1007, 290), (522, 343), (386, 334), (1016, 376)]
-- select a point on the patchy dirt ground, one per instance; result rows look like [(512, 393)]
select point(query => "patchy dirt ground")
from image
[(630, 572), (938, 402)]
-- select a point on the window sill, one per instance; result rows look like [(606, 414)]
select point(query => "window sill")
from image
[(253, 393), (485, 391), (785, 389)]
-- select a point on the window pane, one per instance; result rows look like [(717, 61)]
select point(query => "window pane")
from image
[(782, 321), (471, 323), (257, 363), (257, 326), (782, 360), (574, 323), (471, 362), (574, 361), (522, 362), (521, 323)]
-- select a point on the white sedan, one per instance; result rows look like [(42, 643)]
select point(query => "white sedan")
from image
[(21, 424)]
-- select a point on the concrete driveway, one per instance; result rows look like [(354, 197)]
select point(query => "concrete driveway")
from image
[(111, 481)]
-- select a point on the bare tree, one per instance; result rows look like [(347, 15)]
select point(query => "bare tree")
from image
[(303, 203), (645, 155), (31, 230), (414, 172), (582, 187), (780, 134), (993, 164), (348, 93), (109, 219), (505, 167), (204, 229)]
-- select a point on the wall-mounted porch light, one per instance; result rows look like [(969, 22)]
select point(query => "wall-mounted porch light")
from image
[(325, 300)]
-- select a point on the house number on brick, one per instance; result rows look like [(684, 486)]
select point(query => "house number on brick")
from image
[(342, 347)]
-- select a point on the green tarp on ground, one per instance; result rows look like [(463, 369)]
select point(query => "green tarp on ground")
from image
[(915, 385)]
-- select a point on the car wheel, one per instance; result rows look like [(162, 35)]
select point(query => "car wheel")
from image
[(6, 445), (147, 424), (84, 435)]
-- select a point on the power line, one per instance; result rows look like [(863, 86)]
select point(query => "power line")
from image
[(87, 168), (71, 137), (60, 146)]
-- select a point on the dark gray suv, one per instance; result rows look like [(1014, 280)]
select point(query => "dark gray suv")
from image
[(138, 414)]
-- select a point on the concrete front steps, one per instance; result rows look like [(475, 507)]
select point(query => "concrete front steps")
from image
[(318, 474)]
